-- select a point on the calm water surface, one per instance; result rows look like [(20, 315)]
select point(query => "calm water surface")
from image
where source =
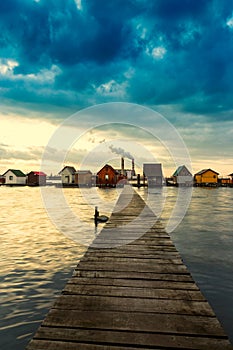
[(36, 259)]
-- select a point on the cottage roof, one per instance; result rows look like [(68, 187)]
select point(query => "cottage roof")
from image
[(16, 172), (152, 169), (205, 170), (179, 169), (109, 166), (71, 169), (40, 173)]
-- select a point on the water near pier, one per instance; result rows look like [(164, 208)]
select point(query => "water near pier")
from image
[(36, 259)]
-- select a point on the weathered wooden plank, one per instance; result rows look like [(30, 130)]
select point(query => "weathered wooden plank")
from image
[(109, 228), (139, 267), (133, 235), (132, 241), (134, 254), (131, 260), (116, 244), (131, 338), (106, 303), (136, 248), (123, 222), (132, 275), (139, 292), (159, 283), (60, 345), (137, 322)]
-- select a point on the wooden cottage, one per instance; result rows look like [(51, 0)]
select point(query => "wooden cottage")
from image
[(225, 181), (83, 178), (108, 176), (15, 177), (153, 173), (206, 177), (182, 176), (67, 175), (36, 178)]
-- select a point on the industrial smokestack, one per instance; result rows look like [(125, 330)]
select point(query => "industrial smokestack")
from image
[(133, 168), (122, 165)]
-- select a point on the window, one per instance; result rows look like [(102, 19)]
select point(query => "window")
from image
[(106, 177), (10, 177)]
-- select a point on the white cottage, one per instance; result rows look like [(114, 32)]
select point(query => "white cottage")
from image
[(14, 177), (182, 176), (67, 175)]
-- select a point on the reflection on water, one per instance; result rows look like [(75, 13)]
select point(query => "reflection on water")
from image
[(72, 209), (35, 262), (36, 259)]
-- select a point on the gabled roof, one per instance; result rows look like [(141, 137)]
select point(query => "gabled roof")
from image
[(152, 169), (231, 175), (107, 165), (16, 172), (179, 169), (71, 169), (40, 173), (205, 170)]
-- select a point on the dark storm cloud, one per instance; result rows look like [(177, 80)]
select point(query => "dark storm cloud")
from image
[(149, 52)]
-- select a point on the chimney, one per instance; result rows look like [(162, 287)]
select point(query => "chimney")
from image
[(122, 165), (133, 168)]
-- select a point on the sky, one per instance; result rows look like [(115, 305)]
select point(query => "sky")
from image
[(61, 57)]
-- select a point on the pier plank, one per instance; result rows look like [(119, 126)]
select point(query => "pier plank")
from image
[(139, 267), (139, 322), (131, 290), (121, 282), (133, 275), (139, 292), (131, 260), (136, 254), (63, 345), (130, 338), (138, 304)]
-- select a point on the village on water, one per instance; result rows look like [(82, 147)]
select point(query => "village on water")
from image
[(108, 176)]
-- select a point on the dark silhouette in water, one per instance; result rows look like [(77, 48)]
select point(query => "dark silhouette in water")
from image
[(99, 218)]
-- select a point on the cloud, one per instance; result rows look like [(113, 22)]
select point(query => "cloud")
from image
[(78, 53), (7, 152)]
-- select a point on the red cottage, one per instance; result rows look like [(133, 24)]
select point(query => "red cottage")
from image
[(107, 176), (36, 178)]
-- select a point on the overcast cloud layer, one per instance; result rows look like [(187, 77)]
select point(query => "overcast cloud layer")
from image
[(60, 56), (77, 53)]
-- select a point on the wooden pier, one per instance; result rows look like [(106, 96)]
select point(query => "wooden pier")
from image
[(131, 291)]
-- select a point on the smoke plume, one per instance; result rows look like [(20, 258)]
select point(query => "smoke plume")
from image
[(120, 151)]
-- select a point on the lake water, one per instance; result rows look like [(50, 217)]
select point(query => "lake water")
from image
[(36, 258)]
